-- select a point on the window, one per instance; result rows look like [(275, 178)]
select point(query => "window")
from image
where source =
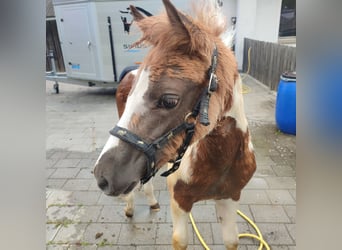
[(287, 25)]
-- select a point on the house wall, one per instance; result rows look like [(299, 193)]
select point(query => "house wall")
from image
[(256, 19)]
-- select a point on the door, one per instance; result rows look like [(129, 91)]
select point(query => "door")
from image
[(78, 46)]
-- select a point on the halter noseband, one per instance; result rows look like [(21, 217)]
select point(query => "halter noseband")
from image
[(149, 149)]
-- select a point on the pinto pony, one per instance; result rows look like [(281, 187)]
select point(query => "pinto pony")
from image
[(185, 107)]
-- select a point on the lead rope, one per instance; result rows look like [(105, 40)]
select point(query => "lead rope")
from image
[(259, 237)]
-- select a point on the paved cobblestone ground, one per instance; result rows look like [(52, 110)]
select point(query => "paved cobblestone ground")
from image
[(79, 216)]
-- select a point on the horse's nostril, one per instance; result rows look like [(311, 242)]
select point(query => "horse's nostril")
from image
[(102, 183)]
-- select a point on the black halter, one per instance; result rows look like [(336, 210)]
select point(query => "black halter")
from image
[(149, 149)]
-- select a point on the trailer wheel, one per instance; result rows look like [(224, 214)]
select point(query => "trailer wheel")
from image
[(56, 87), (127, 70)]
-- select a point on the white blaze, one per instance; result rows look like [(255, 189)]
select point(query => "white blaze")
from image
[(134, 105)]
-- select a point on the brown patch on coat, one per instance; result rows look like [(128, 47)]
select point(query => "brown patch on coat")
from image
[(122, 92), (222, 167)]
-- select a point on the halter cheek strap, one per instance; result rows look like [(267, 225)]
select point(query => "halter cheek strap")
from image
[(149, 149)]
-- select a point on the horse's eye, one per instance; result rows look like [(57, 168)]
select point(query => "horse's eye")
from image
[(168, 101)]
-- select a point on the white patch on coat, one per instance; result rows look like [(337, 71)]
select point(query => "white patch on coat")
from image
[(237, 110), (184, 172), (250, 145), (134, 72)]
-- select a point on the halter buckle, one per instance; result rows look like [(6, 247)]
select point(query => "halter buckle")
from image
[(212, 83)]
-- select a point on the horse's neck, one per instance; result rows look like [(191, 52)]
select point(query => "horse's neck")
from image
[(228, 135)]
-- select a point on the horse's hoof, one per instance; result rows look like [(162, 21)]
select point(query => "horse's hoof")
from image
[(129, 214), (155, 207)]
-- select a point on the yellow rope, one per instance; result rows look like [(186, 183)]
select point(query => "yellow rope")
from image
[(259, 237), (198, 233)]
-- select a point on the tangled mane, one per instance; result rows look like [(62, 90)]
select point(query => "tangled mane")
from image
[(182, 47)]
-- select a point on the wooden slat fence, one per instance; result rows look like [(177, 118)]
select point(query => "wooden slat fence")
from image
[(268, 61), (52, 43)]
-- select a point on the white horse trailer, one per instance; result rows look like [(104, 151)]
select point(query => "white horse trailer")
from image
[(96, 36)]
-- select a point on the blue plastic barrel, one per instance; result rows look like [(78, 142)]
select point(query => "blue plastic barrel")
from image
[(286, 103)]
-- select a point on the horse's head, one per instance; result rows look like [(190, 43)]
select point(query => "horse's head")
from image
[(163, 100)]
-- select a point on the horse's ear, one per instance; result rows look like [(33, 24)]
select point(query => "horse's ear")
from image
[(136, 14), (192, 34), (175, 19)]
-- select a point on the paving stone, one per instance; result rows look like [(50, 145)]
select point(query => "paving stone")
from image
[(93, 186), (159, 182), (266, 213), (58, 197), (84, 197), (153, 247), (67, 163), (71, 233), (264, 170), (51, 162), (109, 200), (49, 172), (59, 154), (281, 197), (206, 232), (245, 210), (143, 214), (291, 212), (77, 184), (76, 155), (65, 173), (204, 213), (133, 247), (242, 228), (142, 234), (55, 183), (107, 233), (284, 170), (275, 234), (164, 234), (293, 193), (257, 183), (79, 246), (141, 199), (60, 212), (85, 174), (113, 214), (51, 231), (254, 197), (292, 231), (87, 163), (87, 213), (57, 247), (281, 182), (164, 197), (264, 161)]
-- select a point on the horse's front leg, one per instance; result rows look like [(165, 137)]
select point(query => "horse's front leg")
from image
[(226, 212), (129, 209), (151, 199), (179, 218), (180, 225)]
